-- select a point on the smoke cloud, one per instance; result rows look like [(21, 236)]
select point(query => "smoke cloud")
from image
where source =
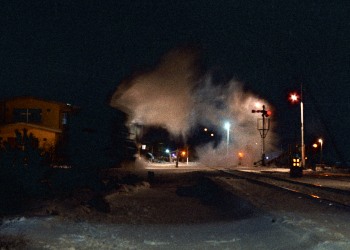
[(161, 97), (175, 97)]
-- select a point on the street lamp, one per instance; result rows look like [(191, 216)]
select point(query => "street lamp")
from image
[(227, 127), (321, 144), (240, 157), (294, 97), (168, 152)]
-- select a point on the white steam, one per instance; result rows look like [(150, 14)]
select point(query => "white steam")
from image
[(161, 97), (171, 96), (230, 103)]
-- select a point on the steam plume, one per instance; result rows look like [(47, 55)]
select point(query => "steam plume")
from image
[(174, 97), (161, 97)]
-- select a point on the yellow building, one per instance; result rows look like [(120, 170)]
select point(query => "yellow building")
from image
[(46, 120)]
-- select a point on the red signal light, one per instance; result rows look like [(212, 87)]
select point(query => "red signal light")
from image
[(265, 113), (294, 97)]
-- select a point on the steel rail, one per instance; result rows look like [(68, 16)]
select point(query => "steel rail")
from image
[(322, 188), (250, 177)]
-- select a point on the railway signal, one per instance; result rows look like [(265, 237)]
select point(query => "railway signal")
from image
[(294, 97), (264, 112), (263, 127)]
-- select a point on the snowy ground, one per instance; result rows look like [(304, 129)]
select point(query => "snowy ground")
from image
[(259, 232), (265, 220)]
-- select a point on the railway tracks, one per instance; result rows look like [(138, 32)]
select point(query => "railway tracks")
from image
[(327, 195)]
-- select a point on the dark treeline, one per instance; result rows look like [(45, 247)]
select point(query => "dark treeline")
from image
[(27, 171)]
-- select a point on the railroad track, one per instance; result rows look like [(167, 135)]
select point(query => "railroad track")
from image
[(328, 195)]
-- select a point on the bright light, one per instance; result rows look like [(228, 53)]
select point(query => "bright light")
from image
[(227, 125), (205, 129), (240, 155), (211, 134), (321, 143), (167, 151), (257, 104), (294, 97), (315, 145), (183, 153)]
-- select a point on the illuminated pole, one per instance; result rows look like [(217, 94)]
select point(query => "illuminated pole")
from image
[(169, 153), (187, 155), (321, 153), (227, 127), (302, 134), (294, 98), (263, 140)]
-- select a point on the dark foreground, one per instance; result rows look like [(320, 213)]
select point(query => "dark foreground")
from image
[(174, 210)]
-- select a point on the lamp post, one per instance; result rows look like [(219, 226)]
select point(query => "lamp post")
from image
[(294, 98), (227, 127), (240, 157), (168, 152), (321, 144), (302, 133), (187, 154)]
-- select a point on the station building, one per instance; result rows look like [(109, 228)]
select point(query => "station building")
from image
[(47, 120)]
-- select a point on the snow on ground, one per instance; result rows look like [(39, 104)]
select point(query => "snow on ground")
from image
[(258, 232)]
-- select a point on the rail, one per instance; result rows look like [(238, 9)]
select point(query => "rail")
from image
[(329, 195)]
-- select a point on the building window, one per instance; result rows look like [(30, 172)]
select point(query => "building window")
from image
[(27, 115)]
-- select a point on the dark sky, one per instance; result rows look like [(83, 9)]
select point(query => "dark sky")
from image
[(78, 52)]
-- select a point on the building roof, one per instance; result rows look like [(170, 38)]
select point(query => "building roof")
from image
[(66, 106)]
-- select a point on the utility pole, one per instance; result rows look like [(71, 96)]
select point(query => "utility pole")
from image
[(295, 98), (302, 134), (302, 127)]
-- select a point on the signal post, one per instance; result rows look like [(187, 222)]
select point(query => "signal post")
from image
[(263, 127)]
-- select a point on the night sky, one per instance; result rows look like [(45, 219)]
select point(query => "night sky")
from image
[(79, 51)]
